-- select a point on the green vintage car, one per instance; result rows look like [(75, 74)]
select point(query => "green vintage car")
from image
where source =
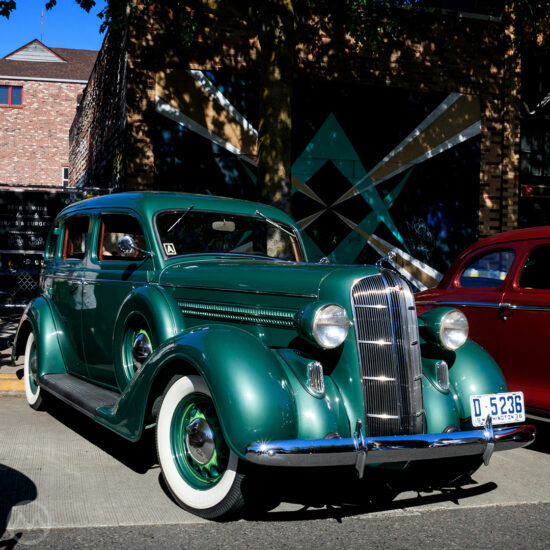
[(202, 318)]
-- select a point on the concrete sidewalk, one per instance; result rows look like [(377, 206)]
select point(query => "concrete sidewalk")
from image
[(11, 374)]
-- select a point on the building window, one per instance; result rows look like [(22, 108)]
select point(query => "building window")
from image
[(65, 176), (11, 96)]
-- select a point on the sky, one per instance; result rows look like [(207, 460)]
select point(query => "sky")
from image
[(66, 25)]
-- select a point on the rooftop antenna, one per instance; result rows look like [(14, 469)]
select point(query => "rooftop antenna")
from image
[(42, 27)]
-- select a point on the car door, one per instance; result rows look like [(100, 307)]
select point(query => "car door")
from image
[(477, 288), (67, 290), (524, 331), (110, 278)]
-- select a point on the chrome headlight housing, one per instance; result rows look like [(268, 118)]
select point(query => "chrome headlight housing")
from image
[(453, 330), (446, 327), (325, 324)]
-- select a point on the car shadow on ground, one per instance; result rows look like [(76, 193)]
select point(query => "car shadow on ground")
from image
[(329, 493), (139, 456), (16, 489)]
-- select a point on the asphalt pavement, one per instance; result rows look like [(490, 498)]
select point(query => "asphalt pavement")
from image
[(65, 482)]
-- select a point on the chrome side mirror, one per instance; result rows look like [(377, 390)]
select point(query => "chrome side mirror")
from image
[(126, 245), (324, 260)]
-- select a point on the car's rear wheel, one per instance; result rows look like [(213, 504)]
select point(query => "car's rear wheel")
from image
[(199, 468), (32, 389)]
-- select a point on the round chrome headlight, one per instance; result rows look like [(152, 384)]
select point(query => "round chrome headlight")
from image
[(453, 330), (330, 326)]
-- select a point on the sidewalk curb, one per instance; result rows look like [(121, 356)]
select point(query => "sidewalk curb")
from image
[(10, 383)]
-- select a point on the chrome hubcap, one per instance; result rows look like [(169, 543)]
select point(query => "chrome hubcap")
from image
[(141, 348), (200, 441)]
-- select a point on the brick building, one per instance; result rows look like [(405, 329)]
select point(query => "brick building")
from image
[(415, 148), (39, 91)]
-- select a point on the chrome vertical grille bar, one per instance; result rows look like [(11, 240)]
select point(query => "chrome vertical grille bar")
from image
[(384, 311)]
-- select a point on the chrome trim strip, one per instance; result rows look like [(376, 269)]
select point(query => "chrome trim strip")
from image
[(457, 304), (360, 450), (241, 290), (88, 280), (502, 305), (377, 306), (190, 287), (380, 378), (505, 305)]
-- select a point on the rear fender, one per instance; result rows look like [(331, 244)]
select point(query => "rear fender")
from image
[(248, 383), (160, 312), (40, 319)]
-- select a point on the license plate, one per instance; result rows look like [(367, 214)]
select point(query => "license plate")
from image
[(503, 408)]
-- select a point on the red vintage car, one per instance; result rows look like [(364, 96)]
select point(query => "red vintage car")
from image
[(502, 284)]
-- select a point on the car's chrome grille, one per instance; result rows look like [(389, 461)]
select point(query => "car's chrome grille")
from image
[(389, 352)]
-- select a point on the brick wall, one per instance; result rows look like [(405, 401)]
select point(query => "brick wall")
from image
[(34, 138), (97, 141)]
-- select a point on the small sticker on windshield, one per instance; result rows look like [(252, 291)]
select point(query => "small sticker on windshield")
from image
[(170, 249)]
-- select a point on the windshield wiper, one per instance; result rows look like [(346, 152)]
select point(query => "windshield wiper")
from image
[(180, 218), (275, 224)]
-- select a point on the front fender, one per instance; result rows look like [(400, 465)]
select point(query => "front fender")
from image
[(474, 372), (249, 386), (38, 317)]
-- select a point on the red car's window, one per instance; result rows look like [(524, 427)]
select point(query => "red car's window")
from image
[(488, 270), (536, 271)]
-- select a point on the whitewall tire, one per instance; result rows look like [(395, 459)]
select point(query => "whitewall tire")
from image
[(32, 389), (199, 468)]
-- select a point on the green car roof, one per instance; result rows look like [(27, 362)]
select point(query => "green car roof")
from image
[(149, 202)]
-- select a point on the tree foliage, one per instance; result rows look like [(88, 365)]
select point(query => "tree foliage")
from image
[(322, 28)]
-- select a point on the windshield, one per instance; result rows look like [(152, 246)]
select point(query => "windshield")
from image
[(195, 232)]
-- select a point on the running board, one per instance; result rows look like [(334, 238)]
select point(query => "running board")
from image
[(83, 396)]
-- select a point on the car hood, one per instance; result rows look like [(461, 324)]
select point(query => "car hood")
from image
[(256, 275)]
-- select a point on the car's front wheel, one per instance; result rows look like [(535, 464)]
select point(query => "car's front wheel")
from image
[(198, 466), (32, 389)]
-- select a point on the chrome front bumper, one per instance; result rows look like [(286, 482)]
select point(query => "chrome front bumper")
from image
[(359, 450)]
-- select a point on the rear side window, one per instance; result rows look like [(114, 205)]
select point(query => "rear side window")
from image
[(113, 228), (487, 270), (75, 238), (536, 270)]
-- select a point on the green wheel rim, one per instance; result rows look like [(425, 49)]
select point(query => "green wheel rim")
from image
[(32, 379), (199, 476)]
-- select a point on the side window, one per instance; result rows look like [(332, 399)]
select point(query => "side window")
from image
[(51, 244), (488, 270), (75, 237), (536, 271), (113, 227)]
